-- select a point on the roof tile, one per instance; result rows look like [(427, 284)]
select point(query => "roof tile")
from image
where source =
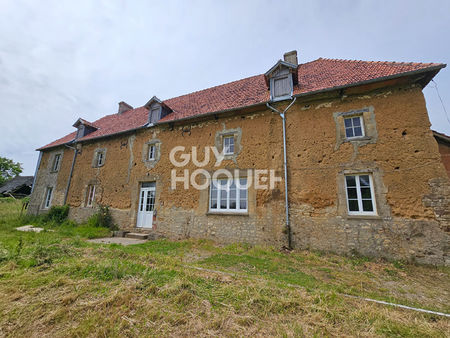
[(313, 76)]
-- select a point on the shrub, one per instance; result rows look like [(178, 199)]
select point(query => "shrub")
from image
[(102, 218), (57, 214)]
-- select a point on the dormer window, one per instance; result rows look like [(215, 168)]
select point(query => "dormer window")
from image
[(282, 77), (154, 114), (83, 128), (157, 109), (281, 87)]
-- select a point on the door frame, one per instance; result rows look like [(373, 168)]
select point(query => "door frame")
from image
[(139, 214)]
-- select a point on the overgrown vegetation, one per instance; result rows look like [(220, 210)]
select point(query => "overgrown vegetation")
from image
[(54, 283), (102, 218), (57, 214)]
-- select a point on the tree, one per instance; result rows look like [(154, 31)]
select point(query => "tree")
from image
[(8, 169)]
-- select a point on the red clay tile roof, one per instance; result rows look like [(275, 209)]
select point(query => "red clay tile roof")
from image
[(318, 75), (83, 121)]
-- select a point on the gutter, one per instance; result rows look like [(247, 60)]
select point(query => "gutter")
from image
[(71, 172), (286, 199)]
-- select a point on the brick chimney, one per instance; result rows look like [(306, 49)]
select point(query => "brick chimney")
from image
[(291, 57), (123, 107)]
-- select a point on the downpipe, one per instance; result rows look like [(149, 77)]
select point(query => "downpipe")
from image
[(286, 199), (75, 152)]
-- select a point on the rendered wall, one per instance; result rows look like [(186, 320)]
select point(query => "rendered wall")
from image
[(411, 185)]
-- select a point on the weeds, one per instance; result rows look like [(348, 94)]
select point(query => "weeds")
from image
[(54, 283), (102, 218), (57, 214)]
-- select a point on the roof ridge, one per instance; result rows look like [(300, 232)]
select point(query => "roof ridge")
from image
[(381, 62)]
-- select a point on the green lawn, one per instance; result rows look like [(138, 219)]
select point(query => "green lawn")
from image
[(55, 283)]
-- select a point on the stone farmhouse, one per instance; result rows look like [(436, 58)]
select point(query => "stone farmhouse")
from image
[(347, 145)]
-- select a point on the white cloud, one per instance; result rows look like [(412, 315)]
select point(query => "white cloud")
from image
[(60, 60)]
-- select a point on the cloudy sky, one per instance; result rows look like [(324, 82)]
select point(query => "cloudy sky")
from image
[(60, 60)]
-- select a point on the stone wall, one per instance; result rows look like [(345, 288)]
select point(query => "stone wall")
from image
[(399, 151)]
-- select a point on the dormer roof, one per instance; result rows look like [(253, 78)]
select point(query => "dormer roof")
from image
[(279, 64), (316, 76), (84, 122)]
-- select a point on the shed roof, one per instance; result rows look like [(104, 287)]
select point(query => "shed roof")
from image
[(16, 183)]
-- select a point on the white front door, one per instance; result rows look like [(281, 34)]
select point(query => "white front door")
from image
[(146, 205)]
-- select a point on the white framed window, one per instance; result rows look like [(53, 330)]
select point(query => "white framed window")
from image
[(354, 127), (48, 197), (100, 158), (229, 195), (151, 152), (228, 145), (90, 195), (360, 195), (56, 162)]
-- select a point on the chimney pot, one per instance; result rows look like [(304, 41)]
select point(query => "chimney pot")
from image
[(291, 57), (124, 107)]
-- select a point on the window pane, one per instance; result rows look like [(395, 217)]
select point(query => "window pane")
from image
[(348, 123), (223, 199), (351, 192), (243, 183), (358, 131), (365, 193), (214, 204), (356, 121), (364, 180), (367, 205), (151, 201), (243, 204), (353, 205), (148, 185), (351, 182), (349, 132), (233, 204)]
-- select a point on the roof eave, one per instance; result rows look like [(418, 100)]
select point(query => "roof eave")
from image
[(441, 136), (378, 79)]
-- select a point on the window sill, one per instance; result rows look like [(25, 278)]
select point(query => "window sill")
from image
[(363, 217), (53, 171), (227, 213), (281, 98), (360, 138)]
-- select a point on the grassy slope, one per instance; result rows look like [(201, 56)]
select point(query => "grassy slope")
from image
[(56, 284)]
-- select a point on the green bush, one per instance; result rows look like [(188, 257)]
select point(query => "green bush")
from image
[(102, 218), (57, 214)]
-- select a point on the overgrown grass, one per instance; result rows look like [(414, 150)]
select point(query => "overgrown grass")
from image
[(55, 283)]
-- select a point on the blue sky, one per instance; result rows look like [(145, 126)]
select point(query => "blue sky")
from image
[(60, 60)]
